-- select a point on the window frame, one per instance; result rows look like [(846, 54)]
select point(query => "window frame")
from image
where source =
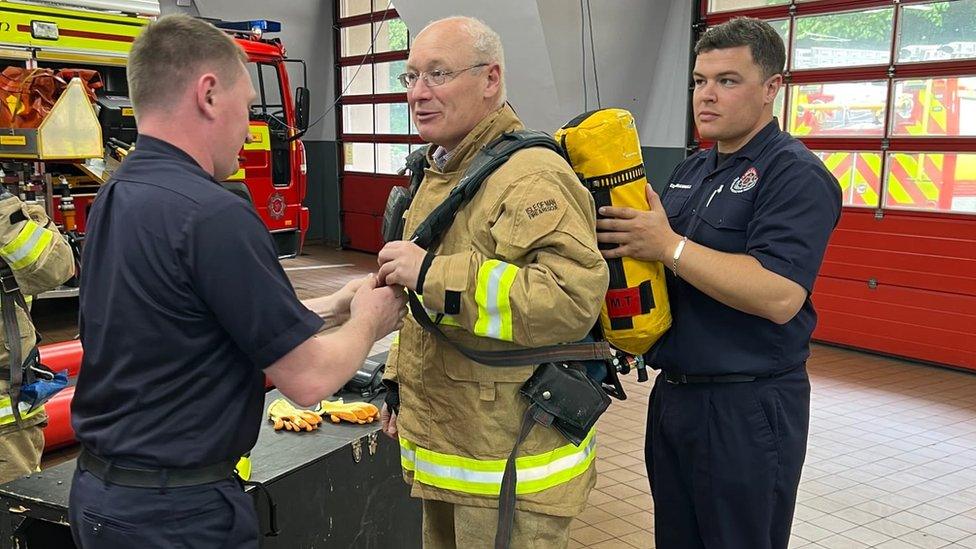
[(372, 98)]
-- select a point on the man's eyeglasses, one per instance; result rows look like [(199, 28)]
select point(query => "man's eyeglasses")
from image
[(436, 77)]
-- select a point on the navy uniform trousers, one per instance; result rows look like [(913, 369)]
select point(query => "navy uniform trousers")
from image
[(724, 461), (217, 515)]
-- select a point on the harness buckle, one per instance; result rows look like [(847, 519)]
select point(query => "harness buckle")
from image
[(8, 282)]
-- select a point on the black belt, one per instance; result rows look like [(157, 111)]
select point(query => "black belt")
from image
[(680, 379), (135, 477)]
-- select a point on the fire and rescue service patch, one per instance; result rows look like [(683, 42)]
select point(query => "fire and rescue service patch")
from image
[(541, 207), (276, 206), (745, 181)]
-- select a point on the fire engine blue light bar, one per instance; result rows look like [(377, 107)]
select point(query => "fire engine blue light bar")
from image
[(263, 24)]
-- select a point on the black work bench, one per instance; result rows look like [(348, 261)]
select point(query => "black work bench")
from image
[(338, 486)]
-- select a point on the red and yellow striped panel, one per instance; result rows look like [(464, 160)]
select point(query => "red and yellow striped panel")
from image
[(859, 175), (914, 180)]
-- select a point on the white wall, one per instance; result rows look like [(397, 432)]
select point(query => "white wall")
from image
[(641, 46), (306, 31), (641, 54)]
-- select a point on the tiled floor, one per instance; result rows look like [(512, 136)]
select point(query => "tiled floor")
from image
[(891, 461)]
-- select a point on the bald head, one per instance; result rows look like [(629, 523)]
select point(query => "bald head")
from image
[(471, 36), (455, 70)]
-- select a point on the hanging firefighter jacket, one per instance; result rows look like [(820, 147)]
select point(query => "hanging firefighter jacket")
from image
[(34, 258)]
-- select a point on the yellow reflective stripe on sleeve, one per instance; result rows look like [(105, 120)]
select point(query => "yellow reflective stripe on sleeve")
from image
[(495, 280), (484, 477), (27, 247), (7, 413)]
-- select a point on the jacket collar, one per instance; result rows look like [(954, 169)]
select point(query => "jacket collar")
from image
[(496, 123)]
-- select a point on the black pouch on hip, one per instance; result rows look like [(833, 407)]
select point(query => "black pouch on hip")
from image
[(561, 396), (569, 396)]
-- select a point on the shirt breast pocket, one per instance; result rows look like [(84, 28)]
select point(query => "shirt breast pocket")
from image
[(675, 200), (725, 224)]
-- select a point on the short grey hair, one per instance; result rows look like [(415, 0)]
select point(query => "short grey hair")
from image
[(485, 42)]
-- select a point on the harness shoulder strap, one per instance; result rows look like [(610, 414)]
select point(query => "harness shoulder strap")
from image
[(10, 299), (488, 159), (529, 356), (416, 163)]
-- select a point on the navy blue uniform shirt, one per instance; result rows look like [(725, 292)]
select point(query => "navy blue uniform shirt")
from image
[(183, 303), (774, 200)]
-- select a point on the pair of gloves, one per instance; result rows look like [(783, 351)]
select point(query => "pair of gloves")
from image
[(284, 415)]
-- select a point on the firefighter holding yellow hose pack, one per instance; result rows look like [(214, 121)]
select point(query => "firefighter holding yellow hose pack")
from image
[(35, 258)]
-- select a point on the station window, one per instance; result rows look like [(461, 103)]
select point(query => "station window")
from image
[(374, 122), (883, 91)]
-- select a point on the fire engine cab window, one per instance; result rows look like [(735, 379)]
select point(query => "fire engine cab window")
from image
[(843, 39), (935, 32), (729, 5), (935, 107), (266, 83), (859, 175), (931, 181), (841, 109)]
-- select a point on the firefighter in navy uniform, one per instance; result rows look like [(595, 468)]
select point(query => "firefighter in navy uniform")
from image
[(185, 309), (744, 227), (40, 260)]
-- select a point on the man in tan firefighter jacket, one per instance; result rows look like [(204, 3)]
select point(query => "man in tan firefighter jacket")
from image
[(41, 260), (518, 267)]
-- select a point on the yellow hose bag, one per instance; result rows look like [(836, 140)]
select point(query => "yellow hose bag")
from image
[(604, 150)]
